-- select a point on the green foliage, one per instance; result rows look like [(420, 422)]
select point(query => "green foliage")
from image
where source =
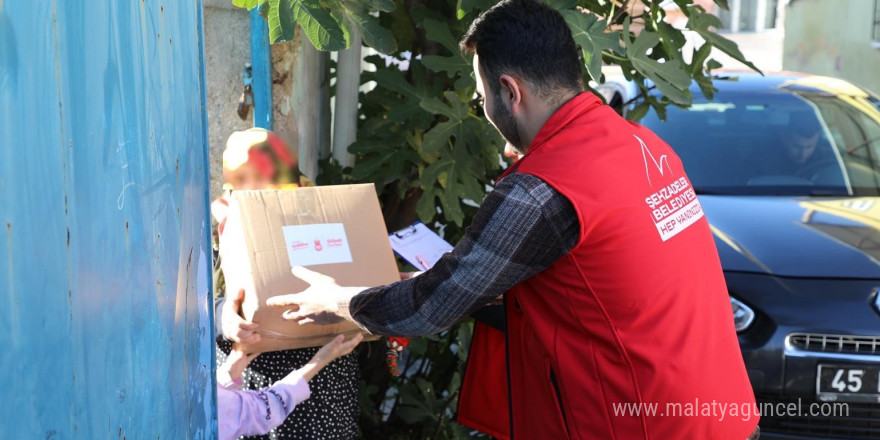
[(702, 22), (428, 110), (426, 145), (589, 33), (653, 57), (421, 138), (357, 15), (248, 4), (421, 403), (669, 76), (326, 23)]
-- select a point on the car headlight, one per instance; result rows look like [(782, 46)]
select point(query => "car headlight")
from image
[(743, 315)]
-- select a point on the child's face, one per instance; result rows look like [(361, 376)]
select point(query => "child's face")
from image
[(246, 177)]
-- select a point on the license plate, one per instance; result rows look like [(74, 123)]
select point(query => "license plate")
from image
[(848, 383)]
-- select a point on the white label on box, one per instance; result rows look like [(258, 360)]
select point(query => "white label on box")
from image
[(309, 245)]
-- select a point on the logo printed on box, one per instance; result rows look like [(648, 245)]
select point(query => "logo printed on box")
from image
[(329, 244)]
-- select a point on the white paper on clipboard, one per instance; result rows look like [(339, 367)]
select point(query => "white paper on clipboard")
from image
[(419, 245)]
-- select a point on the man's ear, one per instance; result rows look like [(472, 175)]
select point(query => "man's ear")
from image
[(511, 92)]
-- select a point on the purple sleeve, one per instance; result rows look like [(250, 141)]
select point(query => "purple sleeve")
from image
[(249, 412)]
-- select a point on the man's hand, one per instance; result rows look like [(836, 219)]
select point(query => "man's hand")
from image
[(235, 328), (318, 304)]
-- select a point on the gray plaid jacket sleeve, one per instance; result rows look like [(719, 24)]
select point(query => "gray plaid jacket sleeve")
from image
[(522, 227)]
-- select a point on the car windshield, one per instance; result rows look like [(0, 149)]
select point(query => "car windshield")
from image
[(794, 141)]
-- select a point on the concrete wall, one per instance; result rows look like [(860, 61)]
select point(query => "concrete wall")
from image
[(227, 49), (104, 255), (832, 37)]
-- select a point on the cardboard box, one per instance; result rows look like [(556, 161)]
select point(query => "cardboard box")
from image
[(335, 230)]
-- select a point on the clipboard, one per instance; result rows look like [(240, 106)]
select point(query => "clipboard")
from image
[(419, 245)]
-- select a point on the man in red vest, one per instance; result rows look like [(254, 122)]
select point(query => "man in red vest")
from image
[(618, 320)]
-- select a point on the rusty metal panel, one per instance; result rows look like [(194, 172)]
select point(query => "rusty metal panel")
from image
[(104, 251)]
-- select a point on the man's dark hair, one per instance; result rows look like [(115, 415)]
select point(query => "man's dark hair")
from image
[(530, 40)]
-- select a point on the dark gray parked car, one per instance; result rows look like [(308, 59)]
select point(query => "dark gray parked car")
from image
[(787, 167)]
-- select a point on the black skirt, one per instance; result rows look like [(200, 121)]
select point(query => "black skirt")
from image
[(330, 413)]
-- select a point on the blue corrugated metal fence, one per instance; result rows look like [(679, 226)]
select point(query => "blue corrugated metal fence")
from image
[(104, 251)]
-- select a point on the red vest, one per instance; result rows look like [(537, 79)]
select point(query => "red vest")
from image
[(637, 315), (484, 402)]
